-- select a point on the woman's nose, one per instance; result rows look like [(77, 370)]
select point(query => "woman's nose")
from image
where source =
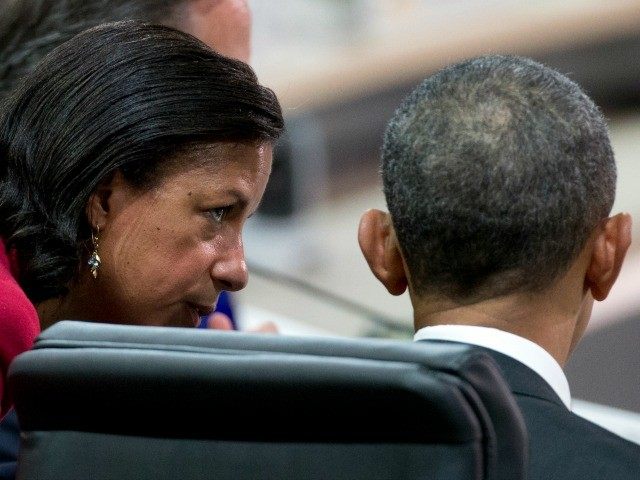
[(230, 270)]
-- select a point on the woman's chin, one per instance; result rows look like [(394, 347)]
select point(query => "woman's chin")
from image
[(186, 317), (190, 317)]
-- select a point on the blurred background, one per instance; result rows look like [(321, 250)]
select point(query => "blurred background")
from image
[(340, 68)]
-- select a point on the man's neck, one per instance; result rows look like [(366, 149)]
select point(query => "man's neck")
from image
[(549, 322)]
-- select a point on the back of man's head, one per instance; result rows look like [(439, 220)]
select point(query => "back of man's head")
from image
[(29, 29), (496, 171)]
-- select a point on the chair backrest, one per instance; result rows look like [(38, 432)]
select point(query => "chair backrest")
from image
[(117, 402)]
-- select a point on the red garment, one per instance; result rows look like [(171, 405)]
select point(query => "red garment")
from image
[(19, 323)]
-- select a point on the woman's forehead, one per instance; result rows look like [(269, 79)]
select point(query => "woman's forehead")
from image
[(235, 169), (219, 156)]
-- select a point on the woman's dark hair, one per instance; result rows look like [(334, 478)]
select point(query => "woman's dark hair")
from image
[(125, 96)]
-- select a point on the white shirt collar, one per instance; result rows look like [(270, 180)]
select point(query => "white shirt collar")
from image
[(525, 351)]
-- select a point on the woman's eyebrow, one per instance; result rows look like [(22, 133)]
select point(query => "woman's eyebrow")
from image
[(241, 199)]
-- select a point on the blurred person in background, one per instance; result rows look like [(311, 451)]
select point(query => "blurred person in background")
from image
[(131, 157), (29, 29), (499, 178)]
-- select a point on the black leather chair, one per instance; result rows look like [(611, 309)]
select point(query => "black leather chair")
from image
[(116, 402)]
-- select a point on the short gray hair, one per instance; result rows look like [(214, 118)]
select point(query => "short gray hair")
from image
[(496, 171)]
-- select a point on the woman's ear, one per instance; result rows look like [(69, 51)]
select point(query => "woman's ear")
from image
[(380, 248), (111, 194), (609, 250)]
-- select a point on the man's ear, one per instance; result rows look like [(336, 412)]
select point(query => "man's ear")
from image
[(112, 194), (609, 249), (380, 248)]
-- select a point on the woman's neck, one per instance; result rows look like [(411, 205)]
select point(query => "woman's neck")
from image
[(49, 312)]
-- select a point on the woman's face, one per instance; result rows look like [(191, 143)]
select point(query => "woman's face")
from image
[(167, 253)]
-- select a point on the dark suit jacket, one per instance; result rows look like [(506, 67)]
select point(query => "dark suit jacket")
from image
[(564, 446)]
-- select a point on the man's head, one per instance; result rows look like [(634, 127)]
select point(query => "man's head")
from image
[(29, 29), (497, 172)]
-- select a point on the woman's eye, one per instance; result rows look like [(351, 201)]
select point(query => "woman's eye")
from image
[(218, 214)]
